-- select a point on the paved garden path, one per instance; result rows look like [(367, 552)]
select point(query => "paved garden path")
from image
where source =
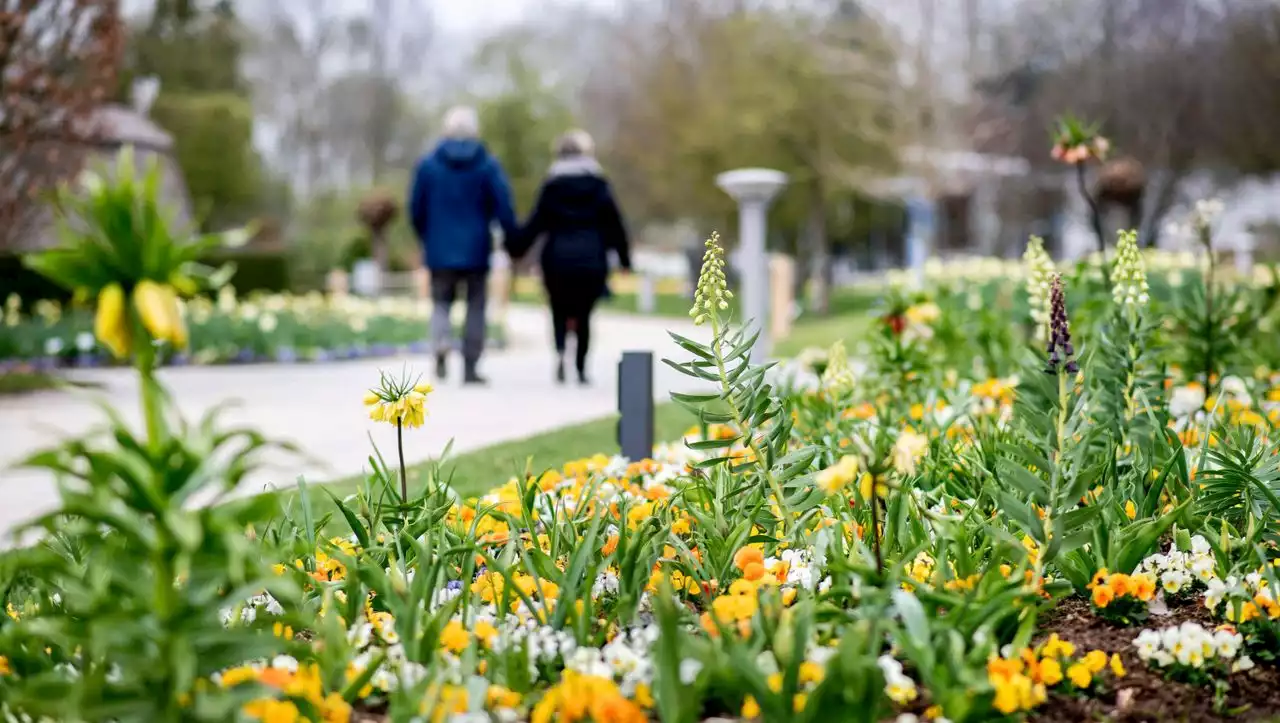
[(318, 406)]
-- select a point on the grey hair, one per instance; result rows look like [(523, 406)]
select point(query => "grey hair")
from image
[(576, 142), (461, 122)]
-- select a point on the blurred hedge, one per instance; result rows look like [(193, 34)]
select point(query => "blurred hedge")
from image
[(27, 284), (256, 270), (213, 144)]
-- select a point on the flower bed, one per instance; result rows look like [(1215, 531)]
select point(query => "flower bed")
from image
[(1090, 535), (229, 330)]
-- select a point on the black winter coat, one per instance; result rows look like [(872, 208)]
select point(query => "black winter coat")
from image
[(577, 213)]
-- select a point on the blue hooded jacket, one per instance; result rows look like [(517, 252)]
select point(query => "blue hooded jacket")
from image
[(458, 192)]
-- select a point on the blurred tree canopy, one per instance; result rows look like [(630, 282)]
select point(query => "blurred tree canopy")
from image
[(194, 48), (1182, 86), (523, 115), (58, 61), (810, 93)]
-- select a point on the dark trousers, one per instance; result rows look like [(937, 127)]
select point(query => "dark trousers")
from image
[(444, 291), (573, 297)]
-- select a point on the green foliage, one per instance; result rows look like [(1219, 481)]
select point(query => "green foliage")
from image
[(194, 48), (29, 285), (896, 536), (522, 120), (130, 238), (256, 270), (213, 144), (801, 91), (326, 234), (143, 578)]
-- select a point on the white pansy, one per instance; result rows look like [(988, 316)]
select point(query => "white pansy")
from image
[(1188, 644), (1186, 400), (1147, 643), (900, 688), (606, 584), (689, 670), (1226, 644)]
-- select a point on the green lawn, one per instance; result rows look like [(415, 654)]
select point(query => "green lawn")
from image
[(822, 332), (23, 382), (852, 316), (27, 382)]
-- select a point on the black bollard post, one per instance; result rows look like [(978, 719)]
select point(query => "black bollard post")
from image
[(635, 405)]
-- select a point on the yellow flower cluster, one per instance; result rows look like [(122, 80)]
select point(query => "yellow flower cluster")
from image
[(738, 607), (839, 475), (1111, 587), (408, 409), (1021, 683), (920, 569), (304, 684), (445, 701), (5, 668), (586, 698), (908, 450), (925, 313), (811, 674), (157, 307), (326, 569), (1252, 610)]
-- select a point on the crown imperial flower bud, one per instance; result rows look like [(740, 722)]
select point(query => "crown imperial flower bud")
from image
[(1040, 270), (1129, 275), (713, 293)]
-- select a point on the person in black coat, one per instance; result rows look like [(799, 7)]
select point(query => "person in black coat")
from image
[(577, 214)]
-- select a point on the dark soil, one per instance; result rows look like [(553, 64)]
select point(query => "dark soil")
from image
[(1144, 694)]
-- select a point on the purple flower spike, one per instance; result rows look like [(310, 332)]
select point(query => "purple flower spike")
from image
[(1061, 353)]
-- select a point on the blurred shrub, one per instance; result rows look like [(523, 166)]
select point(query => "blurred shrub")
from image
[(27, 284), (213, 144), (257, 269)]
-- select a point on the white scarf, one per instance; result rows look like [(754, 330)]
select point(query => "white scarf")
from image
[(575, 166)]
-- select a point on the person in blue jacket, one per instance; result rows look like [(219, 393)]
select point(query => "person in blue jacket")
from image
[(459, 192)]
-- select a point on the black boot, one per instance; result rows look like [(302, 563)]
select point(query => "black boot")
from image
[(442, 366), (560, 370), (582, 376), (471, 376)]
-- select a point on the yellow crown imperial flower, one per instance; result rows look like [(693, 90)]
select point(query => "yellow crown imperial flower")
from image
[(157, 306), (398, 402), (111, 323)]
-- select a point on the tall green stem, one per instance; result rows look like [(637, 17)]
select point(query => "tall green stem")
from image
[(149, 389), (1055, 479), (1210, 321), (404, 479), (740, 420)]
